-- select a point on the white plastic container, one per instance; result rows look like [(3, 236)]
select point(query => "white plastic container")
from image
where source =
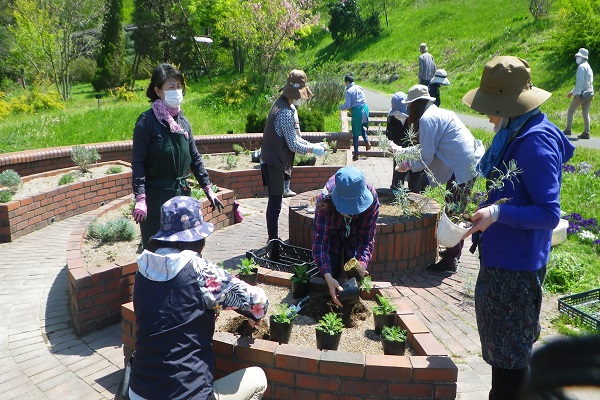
[(559, 234)]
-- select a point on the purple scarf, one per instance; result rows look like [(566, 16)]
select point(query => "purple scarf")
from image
[(162, 112)]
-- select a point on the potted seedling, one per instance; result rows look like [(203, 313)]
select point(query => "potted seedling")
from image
[(393, 340), (300, 281), (366, 288), (248, 271), (329, 331), (280, 323), (333, 146), (384, 313)]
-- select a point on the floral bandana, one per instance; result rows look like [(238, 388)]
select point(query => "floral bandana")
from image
[(164, 113)]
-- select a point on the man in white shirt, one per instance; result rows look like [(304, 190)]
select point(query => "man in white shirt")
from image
[(582, 94)]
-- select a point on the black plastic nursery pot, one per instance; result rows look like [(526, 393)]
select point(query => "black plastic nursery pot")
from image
[(251, 279), (382, 320), (393, 347), (350, 293), (325, 341), (300, 289), (279, 331)]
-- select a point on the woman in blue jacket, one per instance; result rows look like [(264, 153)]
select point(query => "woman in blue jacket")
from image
[(514, 237)]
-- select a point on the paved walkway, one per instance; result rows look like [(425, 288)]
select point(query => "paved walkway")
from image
[(42, 358)]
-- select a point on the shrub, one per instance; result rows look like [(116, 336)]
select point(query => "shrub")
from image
[(579, 23), (122, 93), (304, 159), (311, 120), (83, 157), (82, 70), (254, 123), (115, 230), (564, 272), (237, 149), (10, 179), (384, 307), (65, 179), (540, 8), (5, 196), (114, 169), (328, 90), (231, 161)]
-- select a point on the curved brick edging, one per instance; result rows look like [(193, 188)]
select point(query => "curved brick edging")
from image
[(402, 246), (23, 216), (41, 160), (96, 297), (299, 373)]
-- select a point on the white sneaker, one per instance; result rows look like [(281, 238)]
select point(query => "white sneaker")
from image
[(289, 193)]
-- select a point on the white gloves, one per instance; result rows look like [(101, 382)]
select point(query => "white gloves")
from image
[(394, 148), (318, 150)]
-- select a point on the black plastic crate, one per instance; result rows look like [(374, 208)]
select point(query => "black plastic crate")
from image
[(279, 256), (583, 306)]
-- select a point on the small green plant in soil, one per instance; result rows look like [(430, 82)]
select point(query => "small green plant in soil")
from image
[(331, 323), (114, 169), (366, 284), (247, 266), (237, 149), (304, 159), (83, 157), (66, 179), (116, 230), (6, 196), (10, 179), (393, 334), (283, 315), (300, 274), (231, 161), (384, 306)]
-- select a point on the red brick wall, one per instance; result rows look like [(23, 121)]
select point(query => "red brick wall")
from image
[(300, 373), (20, 217), (402, 247), (35, 161), (96, 297)]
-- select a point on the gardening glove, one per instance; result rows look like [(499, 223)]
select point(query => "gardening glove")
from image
[(214, 200), (402, 167), (318, 150), (140, 211)]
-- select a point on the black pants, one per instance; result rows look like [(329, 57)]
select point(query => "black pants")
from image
[(507, 383)]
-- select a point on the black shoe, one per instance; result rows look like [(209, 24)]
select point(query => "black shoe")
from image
[(368, 146), (441, 267), (567, 132), (584, 136), (355, 157)]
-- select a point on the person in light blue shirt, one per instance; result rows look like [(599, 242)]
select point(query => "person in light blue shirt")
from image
[(582, 94), (356, 103)]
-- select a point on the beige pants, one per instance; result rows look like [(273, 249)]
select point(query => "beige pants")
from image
[(585, 111), (245, 384)]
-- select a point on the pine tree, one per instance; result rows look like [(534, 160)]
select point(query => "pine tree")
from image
[(110, 66)]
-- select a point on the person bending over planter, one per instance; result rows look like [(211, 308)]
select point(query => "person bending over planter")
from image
[(279, 144), (448, 150), (164, 151), (176, 297), (514, 237), (346, 214)]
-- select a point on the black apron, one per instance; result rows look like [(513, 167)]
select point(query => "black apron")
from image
[(165, 178)]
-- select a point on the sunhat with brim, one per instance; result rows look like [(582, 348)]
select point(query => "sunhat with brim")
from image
[(440, 77), (351, 194), (397, 104), (582, 53), (418, 92), (181, 221), (296, 86), (505, 89)]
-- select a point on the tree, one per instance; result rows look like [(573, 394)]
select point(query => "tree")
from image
[(110, 61), (44, 34), (345, 20)]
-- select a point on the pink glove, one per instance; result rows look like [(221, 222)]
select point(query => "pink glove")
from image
[(140, 211), (214, 200)]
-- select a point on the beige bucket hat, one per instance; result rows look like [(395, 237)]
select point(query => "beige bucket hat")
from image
[(417, 92), (505, 89), (296, 86)]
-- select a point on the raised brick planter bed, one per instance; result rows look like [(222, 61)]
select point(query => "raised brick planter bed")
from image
[(299, 373), (20, 217), (96, 297), (402, 246)]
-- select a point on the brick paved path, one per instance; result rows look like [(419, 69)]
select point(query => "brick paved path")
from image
[(42, 358)]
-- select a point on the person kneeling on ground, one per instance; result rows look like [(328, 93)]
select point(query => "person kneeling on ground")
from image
[(176, 297), (346, 214)]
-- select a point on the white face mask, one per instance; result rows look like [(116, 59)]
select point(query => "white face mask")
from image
[(579, 60), (400, 116), (297, 102), (173, 98), (503, 124)]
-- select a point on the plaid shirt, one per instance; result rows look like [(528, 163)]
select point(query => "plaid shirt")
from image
[(330, 227)]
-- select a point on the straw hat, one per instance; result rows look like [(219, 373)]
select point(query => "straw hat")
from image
[(296, 87), (418, 92), (505, 89)]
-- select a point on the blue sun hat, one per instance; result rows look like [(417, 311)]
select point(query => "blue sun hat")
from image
[(397, 104), (181, 221), (351, 194)]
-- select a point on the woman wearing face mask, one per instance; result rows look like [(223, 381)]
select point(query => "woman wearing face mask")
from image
[(280, 142), (582, 94), (396, 131), (164, 151)]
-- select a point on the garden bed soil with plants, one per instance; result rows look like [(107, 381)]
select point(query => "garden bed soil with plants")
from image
[(359, 335), (244, 161), (48, 183)]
